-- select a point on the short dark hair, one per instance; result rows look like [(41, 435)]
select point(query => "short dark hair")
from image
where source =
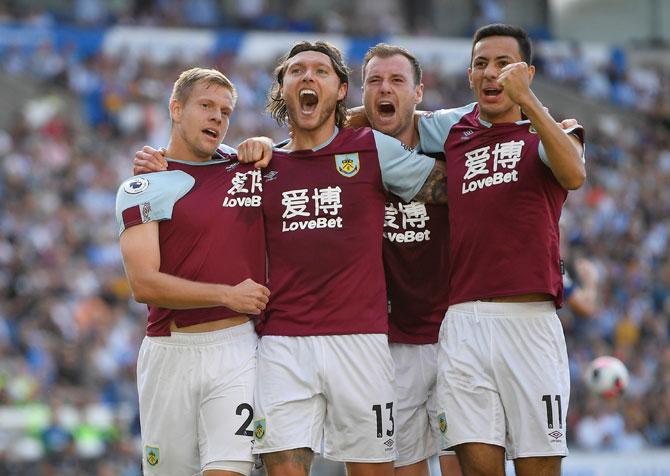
[(384, 50), (276, 104), (501, 29)]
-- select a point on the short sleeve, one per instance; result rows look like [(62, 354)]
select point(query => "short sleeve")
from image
[(434, 127), (577, 131), (404, 170), (150, 197)]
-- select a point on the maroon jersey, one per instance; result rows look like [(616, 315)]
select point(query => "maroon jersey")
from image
[(504, 206), (324, 216), (416, 264), (213, 233)]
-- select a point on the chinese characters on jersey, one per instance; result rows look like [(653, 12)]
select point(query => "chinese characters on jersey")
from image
[(406, 222), (309, 209), (487, 167), (245, 190)]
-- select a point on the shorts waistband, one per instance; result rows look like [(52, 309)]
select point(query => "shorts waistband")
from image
[(204, 338), (502, 309)]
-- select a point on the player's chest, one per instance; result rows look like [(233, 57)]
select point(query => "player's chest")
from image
[(330, 180), (484, 161), (221, 196)]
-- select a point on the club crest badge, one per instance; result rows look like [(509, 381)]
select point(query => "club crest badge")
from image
[(152, 455), (259, 429), (442, 422), (135, 185), (347, 164)]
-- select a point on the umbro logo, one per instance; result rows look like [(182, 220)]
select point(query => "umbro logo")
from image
[(467, 134), (270, 175), (557, 435), (389, 442)]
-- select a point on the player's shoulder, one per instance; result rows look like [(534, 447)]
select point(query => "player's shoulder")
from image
[(154, 186), (454, 114), (150, 197), (154, 182), (356, 136)]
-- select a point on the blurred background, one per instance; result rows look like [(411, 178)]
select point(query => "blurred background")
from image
[(85, 83)]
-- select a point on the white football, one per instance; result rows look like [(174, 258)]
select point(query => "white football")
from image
[(606, 376)]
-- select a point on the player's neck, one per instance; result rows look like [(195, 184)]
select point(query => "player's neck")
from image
[(178, 149), (303, 139), (409, 136), (505, 117)]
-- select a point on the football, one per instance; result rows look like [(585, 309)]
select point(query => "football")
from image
[(606, 376)]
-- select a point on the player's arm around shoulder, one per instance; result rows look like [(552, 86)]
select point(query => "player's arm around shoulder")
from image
[(408, 174), (142, 202), (564, 151)]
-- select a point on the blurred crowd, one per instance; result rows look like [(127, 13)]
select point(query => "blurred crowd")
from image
[(639, 85), (70, 330)]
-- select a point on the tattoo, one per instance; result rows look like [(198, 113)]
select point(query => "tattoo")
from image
[(434, 190), (299, 459)]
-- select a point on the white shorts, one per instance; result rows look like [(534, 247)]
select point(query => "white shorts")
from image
[(417, 432), (504, 378), (196, 397), (332, 390)]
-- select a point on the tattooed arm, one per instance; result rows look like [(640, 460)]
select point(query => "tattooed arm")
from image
[(434, 189)]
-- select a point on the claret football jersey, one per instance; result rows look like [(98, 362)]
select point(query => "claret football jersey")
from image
[(504, 205), (416, 266), (210, 228), (324, 217)]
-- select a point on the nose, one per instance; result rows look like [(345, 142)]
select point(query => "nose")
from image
[(385, 86), (491, 71), (309, 75), (216, 115)]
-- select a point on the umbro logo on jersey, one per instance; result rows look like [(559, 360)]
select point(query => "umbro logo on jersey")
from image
[(467, 134), (347, 164), (271, 175), (389, 443)]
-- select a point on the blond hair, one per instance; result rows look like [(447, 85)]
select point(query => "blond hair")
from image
[(187, 80)]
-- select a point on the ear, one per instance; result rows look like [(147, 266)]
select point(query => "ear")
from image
[(342, 91), (470, 78), (175, 110), (418, 93), (531, 72)]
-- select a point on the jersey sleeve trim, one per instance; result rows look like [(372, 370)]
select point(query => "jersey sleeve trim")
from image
[(150, 197), (577, 131)]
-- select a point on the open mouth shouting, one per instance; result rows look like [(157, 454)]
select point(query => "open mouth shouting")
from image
[(385, 109), (492, 92), (308, 101)]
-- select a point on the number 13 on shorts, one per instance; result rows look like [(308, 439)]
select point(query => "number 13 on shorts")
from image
[(385, 422)]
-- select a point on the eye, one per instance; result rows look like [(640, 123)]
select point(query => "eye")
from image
[(322, 71), (204, 105), (479, 64)]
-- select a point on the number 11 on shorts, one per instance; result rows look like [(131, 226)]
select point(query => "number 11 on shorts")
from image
[(377, 409)]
